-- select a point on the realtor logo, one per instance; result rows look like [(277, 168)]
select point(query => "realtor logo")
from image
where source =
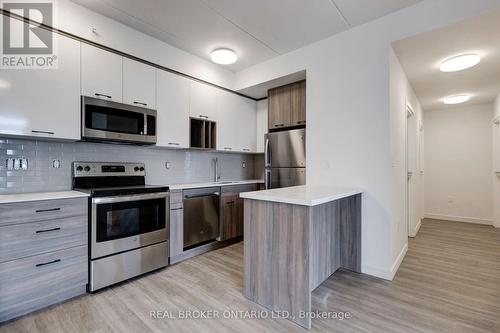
[(28, 45)]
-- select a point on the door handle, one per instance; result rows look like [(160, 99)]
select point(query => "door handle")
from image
[(42, 132), (47, 210), (47, 230), (267, 157), (141, 103), (48, 263)]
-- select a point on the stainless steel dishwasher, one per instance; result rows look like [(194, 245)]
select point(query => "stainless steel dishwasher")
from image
[(201, 215)]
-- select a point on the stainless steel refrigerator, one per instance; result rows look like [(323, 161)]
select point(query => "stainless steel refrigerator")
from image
[(285, 158)]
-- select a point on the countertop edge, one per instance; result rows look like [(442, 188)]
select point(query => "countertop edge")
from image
[(40, 196), (176, 187), (258, 195)]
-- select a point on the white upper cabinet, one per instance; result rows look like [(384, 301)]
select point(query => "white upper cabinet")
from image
[(203, 101), (43, 102), (236, 123), (246, 125), (139, 84), (227, 107), (262, 125), (172, 93), (102, 74)]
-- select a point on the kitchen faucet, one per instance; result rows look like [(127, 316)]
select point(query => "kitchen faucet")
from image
[(216, 169)]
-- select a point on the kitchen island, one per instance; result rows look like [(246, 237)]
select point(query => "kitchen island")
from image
[(295, 238)]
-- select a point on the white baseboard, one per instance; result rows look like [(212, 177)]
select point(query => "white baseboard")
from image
[(417, 228), (384, 273), (458, 219)]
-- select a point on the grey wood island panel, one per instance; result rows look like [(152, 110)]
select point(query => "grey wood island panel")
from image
[(291, 248)]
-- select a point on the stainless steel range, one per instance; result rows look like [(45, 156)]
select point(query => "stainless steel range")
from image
[(128, 221)]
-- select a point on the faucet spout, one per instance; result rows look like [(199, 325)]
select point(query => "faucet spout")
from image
[(216, 169)]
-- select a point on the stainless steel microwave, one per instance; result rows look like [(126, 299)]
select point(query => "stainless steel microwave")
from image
[(111, 121)]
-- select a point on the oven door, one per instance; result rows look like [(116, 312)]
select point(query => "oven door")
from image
[(123, 223), (110, 121)]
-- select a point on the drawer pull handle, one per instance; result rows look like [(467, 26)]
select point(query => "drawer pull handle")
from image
[(174, 144), (48, 263), (140, 103), (42, 132), (47, 210), (246, 149), (202, 116), (279, 125), (47, 230), (228, 148), (103, 95), (301, 122), (230, 202)]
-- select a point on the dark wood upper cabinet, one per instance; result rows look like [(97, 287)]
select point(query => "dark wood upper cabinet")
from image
[(298, 104), (287, 106)]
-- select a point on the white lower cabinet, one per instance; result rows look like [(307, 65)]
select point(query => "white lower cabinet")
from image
[(172, 104), (43, 102)]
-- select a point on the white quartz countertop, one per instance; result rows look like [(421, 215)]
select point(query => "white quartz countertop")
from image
[(302, 195), (40, 196), (174, 187)]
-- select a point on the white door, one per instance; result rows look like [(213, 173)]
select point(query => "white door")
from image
[(203, 101), (43, 102), (173, 110), (411, 158), (102, 74), (139, 84)]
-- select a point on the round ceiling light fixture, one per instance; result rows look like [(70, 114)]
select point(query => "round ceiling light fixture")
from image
[(459, 63), (456, 99), (224, 56)]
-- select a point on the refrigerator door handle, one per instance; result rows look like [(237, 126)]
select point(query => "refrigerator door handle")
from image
[(267, 155), (267, 179)]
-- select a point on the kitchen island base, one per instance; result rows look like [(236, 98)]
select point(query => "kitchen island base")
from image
[(290, 249)]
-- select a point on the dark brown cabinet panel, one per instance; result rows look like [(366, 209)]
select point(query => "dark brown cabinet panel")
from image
[(298, 104), (232, 216), (231, 212), (287, 106)]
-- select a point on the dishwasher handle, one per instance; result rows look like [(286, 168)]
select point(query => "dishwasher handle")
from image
[(213, 194)]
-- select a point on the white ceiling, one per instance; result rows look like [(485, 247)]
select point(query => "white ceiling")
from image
[(421, 56), (256, 29)]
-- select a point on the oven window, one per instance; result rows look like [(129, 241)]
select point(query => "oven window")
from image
[(125, 219), (113, 120)]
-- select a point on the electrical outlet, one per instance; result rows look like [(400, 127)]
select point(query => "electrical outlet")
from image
[(244, 165), (56, 164), (17, 164), (167, 165)]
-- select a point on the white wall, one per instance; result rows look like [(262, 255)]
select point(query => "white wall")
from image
[(458, 164), (79, 20), (348, 112), (401, 97), (496, 162)]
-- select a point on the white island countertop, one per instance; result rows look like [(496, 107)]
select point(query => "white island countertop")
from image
[(40, 196), (302, 195)]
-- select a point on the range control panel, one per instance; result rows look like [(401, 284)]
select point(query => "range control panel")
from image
[(101, 169)]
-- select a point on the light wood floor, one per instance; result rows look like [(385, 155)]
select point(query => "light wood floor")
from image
[(448, 282)]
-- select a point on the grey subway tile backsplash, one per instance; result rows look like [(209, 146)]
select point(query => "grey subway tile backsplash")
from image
[(185, 166)]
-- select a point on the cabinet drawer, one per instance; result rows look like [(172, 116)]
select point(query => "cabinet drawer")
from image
[(234, 189), (23, 212), (27, 239), (34, 282)]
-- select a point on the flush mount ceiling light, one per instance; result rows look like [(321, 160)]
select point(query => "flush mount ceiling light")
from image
[(460, 63), (456, 99), (224, 56)]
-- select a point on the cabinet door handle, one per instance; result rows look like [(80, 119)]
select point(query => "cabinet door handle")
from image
[(42, 132), (246, 149), (279, 125), (103, 95), (47, 230), (301, 122), (47, 210), (48, 263), (228, 148), (230, 202), (141, 103), (202, 116), (173, 144)]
